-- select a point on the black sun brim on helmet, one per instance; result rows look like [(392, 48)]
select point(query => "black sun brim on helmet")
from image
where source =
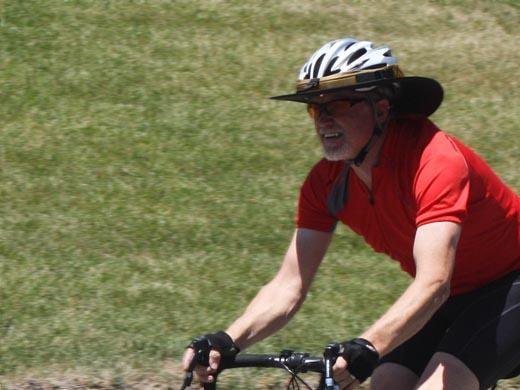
[(415, 95)]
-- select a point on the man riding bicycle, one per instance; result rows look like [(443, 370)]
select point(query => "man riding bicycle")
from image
[(421, 197)]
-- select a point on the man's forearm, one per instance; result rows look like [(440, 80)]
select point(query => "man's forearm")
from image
[(407, 315), (270, 310)]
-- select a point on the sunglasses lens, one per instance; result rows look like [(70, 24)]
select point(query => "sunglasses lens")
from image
[(339, 106), (336, 107)]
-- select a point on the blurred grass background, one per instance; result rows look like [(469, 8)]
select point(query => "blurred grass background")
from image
[(148, 186)]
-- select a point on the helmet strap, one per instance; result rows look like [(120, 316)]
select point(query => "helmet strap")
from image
[(376, 132)]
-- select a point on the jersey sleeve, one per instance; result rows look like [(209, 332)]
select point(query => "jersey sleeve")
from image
[(312, 210), (441, 185)]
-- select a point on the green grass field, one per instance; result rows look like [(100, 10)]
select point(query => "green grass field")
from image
[(148, 186)]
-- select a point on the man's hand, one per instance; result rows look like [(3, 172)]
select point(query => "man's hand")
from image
[(356, 360), (208, 350), (205, 374), (342, 376)]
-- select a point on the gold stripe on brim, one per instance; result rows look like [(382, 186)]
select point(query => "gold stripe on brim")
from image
[(348, 79)]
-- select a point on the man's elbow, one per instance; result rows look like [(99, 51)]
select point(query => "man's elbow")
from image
[(291, 293), (445, 291), (441, 290), (437, 289), (297, 293), (292, 287)]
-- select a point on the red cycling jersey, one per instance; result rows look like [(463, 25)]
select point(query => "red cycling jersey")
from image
[(423, 176)]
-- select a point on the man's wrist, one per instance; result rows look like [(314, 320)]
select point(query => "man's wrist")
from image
[(239, 339)]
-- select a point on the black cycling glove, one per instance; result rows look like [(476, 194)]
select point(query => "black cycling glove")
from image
[(361, 356), (219, 341)]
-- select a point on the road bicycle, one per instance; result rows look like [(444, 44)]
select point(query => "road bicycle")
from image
[(294, 363)]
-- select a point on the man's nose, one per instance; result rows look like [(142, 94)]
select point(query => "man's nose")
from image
[(324, 116)]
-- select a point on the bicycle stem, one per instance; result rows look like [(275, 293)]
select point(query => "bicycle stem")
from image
[(329, 357)]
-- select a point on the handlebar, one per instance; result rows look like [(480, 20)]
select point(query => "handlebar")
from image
[(293, 362)]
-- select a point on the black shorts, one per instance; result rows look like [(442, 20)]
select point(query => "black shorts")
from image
[(481, 328)]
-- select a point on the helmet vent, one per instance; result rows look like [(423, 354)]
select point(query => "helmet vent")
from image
[(348, 45), (375, 66), (356, 55), (328, 70), (317, 66), (363, 63)]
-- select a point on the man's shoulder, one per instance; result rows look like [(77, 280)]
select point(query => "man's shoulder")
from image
[(415, 129), (414, 136)]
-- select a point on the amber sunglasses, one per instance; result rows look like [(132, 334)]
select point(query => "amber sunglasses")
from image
[(332, 108)]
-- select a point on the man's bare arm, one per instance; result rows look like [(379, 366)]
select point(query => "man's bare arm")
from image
[(280, 299), (434, 253), (277, 301)]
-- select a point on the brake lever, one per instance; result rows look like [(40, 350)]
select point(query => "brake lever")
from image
[(188, 377)]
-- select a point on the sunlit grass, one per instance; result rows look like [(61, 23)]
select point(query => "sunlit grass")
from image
[(148, 185)]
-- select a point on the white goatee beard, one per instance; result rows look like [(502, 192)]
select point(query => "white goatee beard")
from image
[(335, 154)]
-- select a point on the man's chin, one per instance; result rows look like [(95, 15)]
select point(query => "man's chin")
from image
[(335, 155), (333, 158), (337, 152)]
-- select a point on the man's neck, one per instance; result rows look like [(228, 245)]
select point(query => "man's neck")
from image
[(364, 171)]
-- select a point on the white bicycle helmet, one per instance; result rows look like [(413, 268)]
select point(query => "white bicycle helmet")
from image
[(344, 67), (346, 55)]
